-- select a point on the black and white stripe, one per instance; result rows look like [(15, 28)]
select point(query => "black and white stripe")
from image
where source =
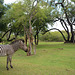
[(0, 49), (2, 52)]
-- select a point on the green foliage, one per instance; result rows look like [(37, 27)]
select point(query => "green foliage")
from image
[(52, 36), (73, 1), (71, 10), (1, 8), (3, 25), (42, 18)]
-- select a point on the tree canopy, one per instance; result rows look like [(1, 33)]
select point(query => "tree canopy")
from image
[(36, 15)]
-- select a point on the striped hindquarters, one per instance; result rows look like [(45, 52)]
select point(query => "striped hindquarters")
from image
[(2, 52)]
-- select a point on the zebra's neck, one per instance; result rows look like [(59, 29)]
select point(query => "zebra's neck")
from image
[(15, 46)]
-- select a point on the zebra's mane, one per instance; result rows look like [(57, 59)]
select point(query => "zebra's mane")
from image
[(17, 41)]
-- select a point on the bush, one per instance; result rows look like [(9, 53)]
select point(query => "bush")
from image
[(52, 36)]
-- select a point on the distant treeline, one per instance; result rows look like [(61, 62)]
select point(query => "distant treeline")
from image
[(52, 36)]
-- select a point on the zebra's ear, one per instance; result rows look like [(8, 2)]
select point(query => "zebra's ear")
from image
[(0, 48), (21, 42)]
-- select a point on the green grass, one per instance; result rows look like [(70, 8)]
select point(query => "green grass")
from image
[(52, 58)]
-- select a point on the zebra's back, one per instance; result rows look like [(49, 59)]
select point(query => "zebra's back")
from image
[(5, 50)]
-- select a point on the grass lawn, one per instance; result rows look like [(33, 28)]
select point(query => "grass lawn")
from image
[(52, 58)]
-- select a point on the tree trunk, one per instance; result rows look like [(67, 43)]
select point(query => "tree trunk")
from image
[(72, 33), (30, 48), (68, 22), (37, 39), (26, 39)]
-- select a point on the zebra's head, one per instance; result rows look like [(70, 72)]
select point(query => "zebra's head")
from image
[(23, 46)]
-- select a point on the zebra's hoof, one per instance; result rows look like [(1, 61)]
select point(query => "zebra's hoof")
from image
[(7, 68), (11, 66)]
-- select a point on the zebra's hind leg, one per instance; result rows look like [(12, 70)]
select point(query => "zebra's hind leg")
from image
[(10, 58), (11, 65)]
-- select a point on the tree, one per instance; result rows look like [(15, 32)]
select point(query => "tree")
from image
[(28, 16), (64, 13), (20, 16), (43, 17)]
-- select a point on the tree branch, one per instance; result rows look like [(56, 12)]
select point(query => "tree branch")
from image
[(64, 11), (34, 21), (61, 20), (5, 33)]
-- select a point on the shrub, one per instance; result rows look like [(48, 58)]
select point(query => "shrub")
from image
[(52, 36)]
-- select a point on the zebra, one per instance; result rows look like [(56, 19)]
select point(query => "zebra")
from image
[(9, 49)]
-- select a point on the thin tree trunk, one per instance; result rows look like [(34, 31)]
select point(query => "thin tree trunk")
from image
[(72, 33), (37, 39), (29, 49), (34, 46), (26, 40)]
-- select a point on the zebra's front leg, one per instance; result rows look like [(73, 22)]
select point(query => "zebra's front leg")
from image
[(7, 62)]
